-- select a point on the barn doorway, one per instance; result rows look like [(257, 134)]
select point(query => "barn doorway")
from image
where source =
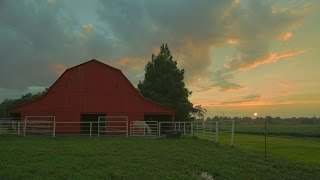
[(157, 117), (85, 123), (16, 116)]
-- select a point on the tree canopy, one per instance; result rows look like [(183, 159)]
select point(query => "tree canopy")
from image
[(164, 83)]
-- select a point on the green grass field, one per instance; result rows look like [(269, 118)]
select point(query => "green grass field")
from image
[(297, 130), (298, 149), (139, 158)]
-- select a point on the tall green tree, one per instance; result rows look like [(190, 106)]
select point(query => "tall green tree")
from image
[(164, 83)]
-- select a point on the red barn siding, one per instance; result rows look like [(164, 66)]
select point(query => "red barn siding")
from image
[(92, 88)]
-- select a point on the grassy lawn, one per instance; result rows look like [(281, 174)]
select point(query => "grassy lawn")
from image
[(299, 149), (298, 130), (135, 158)]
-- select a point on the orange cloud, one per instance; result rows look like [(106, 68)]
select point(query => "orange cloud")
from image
[(273, 57), (51, 2), (232, 42), (130, 63), (286, 36), (58, 69), (87, 28), (285, 87), (236, 2), (254, 103)]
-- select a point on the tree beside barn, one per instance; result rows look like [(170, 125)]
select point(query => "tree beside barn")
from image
[(164, 83)]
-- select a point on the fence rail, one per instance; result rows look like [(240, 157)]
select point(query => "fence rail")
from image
[(8, 126), (115, 126), (166, 127), (212, 129), (144, 128)]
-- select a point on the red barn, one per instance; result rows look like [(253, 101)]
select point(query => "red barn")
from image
[(89, 90)]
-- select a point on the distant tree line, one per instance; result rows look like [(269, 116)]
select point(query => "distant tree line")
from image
[(9, 103), (269, 119)]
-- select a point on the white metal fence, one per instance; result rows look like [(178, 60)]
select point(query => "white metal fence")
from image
[(116, 126), (76, 128), (166, 127), (113, 126), (39, 125), (144, 128), (211, 130), (10, 126)]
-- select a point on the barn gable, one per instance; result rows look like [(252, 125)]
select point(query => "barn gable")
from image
[(93, 87)]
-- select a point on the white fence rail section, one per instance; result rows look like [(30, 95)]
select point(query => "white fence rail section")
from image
[(113, 126), (144, 128), (11, 126), (166, 127), (213, 129), (206, 130), (76, 128), (39, 125), (116, 126)]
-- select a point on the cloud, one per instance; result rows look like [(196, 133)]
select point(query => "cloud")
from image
[(58, 69), (249, 29), (286, 36), (34, 34), (259, 103), (245, 99), (221, 79), (39, 37), (88, 28), (239, 64), (129, 64), (232, 42), (285, 87), (51, 2), (188, 27)]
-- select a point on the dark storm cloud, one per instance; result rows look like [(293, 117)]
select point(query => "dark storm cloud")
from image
[(189, 27), (36, 34), (30, 33)]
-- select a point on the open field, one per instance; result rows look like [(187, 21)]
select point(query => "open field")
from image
[(298, 130), (298, 149), (133, 158)]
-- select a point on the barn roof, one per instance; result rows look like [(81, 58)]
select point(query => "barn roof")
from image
[(91, 61)]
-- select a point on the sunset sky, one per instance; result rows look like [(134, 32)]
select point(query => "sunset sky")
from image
[(239, 56)]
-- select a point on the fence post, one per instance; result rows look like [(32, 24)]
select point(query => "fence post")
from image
[(217, 131), (232, 133), (90, 128), (19, 128), (127, 127), (197, 128), (184, 128), (210, 130), (54, 129), (159, 129), (98, 127), (25, 127), (192, 128)]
